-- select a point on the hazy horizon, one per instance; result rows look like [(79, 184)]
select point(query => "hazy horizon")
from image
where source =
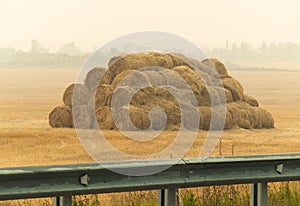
[(89, 25)]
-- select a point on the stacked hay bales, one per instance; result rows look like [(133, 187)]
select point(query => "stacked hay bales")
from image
[(135, 85)]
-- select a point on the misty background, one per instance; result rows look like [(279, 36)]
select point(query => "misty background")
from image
[(258, 34)]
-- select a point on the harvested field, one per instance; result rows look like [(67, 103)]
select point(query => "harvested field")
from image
[(27, 139)]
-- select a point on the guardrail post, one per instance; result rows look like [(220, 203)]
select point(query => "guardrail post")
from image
[(259, 194), (168, 197), (63, 201), (161, 197)]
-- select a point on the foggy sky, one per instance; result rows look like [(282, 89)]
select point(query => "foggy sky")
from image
[(91, 23)]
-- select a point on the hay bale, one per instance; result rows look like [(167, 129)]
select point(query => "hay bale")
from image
[(131, 118), (120, 76), (251, 100), (77, 98), (239, 115), (114, 59), (122, 96), (60, 116), (157, 118), (213, 63), (100, 96), (234, 87), (140, 60), (265, 119), (104, 118), (228, 95), (188, 112), (205, 112), (178, 59), (92, 78), (83, 117), (251, 112), (135, 79), (191, 78)]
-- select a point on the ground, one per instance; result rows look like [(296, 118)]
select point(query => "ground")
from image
[(28, 95)]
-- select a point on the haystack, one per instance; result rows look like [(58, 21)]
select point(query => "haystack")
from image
[(83, 117), (151, 91), (140, 60), (78, 97), (100, 96), (60, 116)]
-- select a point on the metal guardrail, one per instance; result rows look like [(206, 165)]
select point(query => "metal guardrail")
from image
[(76, 179)]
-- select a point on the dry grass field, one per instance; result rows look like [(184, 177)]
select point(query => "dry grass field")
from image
[(28, 95)]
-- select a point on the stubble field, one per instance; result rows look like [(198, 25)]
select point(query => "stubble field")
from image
[(27, 95)]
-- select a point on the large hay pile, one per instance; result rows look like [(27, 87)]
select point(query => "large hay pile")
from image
[(208, 84)]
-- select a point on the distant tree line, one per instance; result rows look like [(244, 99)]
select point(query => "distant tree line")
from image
[(244, 52)]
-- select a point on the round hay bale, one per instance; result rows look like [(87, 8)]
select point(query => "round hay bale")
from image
[(221, 113), (100, 96), (265, 119), (251, 112), (104, 118), (239, 115), (140, 60), (60, 116), (188, 111), (191, 78), (213, 63), (94, 76), (137, 118), (251, 100), (178, 59), (83, 117), (120, 76), (135, 79), (228, 95), (80, 97), (114, 59), (205, 112), (156, 78), (234, 87), (157, 118), (122, 96)]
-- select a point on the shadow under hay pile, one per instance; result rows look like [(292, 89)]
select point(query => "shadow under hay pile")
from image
[(207, 87)]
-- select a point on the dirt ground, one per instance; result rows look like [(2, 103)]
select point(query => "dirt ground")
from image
[(28, 95)]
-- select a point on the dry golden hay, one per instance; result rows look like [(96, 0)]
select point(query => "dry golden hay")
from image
[(251, 100), (100, 96), (234, 87), (104, 118), (60, 116), (92, 78), (154, 94), (205, 112), (219, 124), (178, 59), (114, 59), (188, 112), (239, 115), (228, 95), (191, 78), (83, 117), (120, 76), (135, 79), (128, 118), (156, 78), (77, 98), (140, 60), (213, 63), (125, 95), (251, 112), (265, 119)]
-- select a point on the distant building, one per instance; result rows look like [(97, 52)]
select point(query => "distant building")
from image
[(70, 49), (36, 48)]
